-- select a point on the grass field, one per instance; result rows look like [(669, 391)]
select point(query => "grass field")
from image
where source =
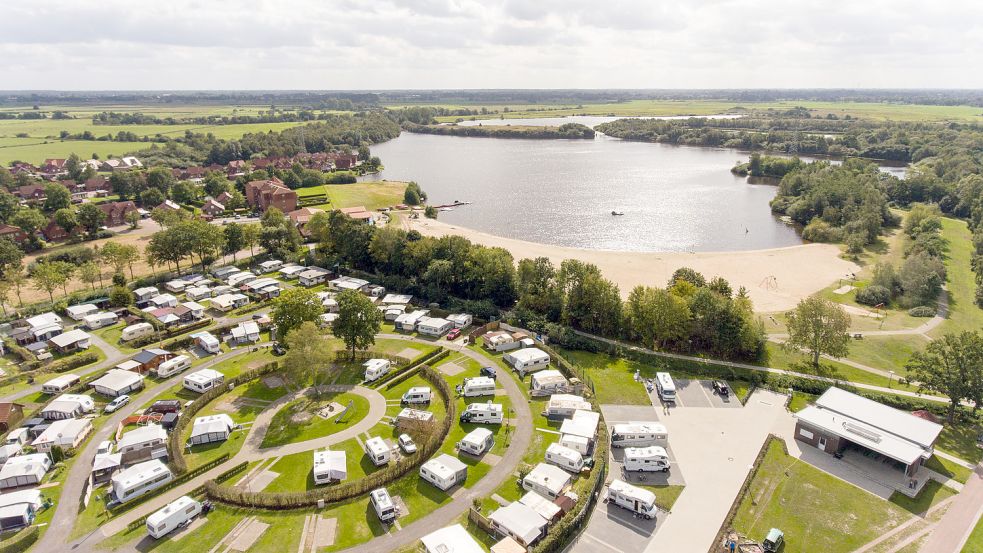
[(932, 493), (889, 353), (975, 542), (963, 313), (816, 511), (285, 427), (372, 195)]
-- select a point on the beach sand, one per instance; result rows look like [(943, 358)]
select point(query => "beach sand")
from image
[(776, 279)]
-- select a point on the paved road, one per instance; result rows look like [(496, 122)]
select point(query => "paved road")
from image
[(67, 507), (957, 524)]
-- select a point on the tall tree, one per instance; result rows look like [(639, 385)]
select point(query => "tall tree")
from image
[(48, 277), (294, 307), (56, 197), (74, 167), (820, 327), (309, 357), (951, 366), (235, 240), (250, 237), (204, 240), (120, 256), (66, 219), (91, 218), (90, 272), (358, 321), (16, 277), (29, 220), (10, 256)]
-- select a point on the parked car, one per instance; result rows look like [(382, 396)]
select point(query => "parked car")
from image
[(118, 402), (406, 444), (165, 406), (488, 371), (454, 333), (278, 349), (720, 388)]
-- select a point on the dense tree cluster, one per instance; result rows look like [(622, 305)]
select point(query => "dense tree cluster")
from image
[(767, 166), (567, 130)]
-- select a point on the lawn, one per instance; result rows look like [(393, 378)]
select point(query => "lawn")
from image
[(371, 194), (298, 421), (960, 440), (961, 284), (779, 358), (816, 511), (975, 542), (946, 467), (932, 493), (617, 374), (888, 353), (800, 401), (665, 496)]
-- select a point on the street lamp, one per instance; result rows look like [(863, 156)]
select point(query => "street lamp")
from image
[(890, 378)]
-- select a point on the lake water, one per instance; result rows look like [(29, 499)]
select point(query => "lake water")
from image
[(562, 192)]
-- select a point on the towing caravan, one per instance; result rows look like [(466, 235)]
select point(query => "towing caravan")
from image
[(637, 500), (137, 331), (646, 459), (666, 387), (376, 369), (483, 413), (172, 516), (173, 366), (377, 450), (638, 434), (383, 504), (478, 386), (565, 458)]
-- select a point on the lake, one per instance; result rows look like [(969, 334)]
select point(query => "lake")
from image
[(562, 192)]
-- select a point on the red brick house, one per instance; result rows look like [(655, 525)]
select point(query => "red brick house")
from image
[(264, 194), (53, 232), (212, 208), (12, 233), (345, 161), (96, 184), (303, 216), (53, 165), (31, 192), (10, 415), (116, 212), (224, 198)]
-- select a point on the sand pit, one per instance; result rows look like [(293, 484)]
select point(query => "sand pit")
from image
[(408, 353), (451, 369), (776, 279), (273, 381)]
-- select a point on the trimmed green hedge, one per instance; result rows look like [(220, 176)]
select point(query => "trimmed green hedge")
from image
[(177, 481), (396, 377)]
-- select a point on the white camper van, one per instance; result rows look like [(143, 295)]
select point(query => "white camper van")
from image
[(666, 387), (173, 366), (137, 331), (638, 434), (383, 504), (377, 450), (637, 500), (483, 413), (417, 394), (376, 369), (565, 458), (646, 459), (478, 386), (172, 516)]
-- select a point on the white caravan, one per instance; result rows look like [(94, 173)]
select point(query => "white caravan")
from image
[(666, 387), (637, 500), (476, 442), (137, 331), (173, 366), (638, 434), (383, 504), (483, 413), (377, 450), (478, 386), (376, 369), (172, 516), (565, 458), (646, 459)]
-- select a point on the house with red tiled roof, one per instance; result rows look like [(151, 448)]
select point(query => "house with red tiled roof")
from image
[(53, 165), (96, 184), (302, 216), (116, 212), (264, 194), (224, 198), (31, 192), (345, 161), (12, 233), (53, 232), (358, 213)]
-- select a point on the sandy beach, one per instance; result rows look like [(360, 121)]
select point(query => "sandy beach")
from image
[(776, 279)]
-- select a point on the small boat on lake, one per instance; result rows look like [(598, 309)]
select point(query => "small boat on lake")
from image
[(617, 213)]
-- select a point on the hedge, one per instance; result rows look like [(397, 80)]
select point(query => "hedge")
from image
[(174, 444), (21, 541), (428, 445), (232, 472), (398, 376), (197, 491)]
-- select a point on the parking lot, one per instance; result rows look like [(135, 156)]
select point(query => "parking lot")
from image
[(697, 393), (612, 528)]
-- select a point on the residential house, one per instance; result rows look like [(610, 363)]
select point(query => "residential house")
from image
[(14, 234), (31, 193), (300, 218), (224, 198), (264, 194), (212, 207), (116, 212), (169, 205), (150, 359), (53, 166), (10, 414)]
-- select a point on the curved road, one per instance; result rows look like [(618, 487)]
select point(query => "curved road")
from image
[(409, 534)]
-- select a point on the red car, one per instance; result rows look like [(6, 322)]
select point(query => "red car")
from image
[(454, 333)]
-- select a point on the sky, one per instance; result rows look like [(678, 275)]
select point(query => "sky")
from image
[(442, 44)]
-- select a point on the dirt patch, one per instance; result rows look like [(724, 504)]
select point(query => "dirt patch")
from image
[(248, 535), (843, 289), (408, 353), (301, 417), (324, 534), (400, 506), (451, 369), (330, 410)]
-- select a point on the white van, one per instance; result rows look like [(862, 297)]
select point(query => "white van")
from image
[(666, 387), (638, 434), (377, 450), (172, 516), (417, 394), (173, 366), (137, 331), (376, 369), (565, 458), (637, 500), (646, 459), (383, 504), (478, 386), (483, 413)]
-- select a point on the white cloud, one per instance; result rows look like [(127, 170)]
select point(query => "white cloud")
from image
[(352, 44)]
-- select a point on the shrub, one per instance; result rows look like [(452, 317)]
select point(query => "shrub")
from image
[(922, 311), (873, 295), (820, 231)]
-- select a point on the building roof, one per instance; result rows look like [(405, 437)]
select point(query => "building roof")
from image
[(116, 379), (878, 415), (477, 436), (139, 473), (204, 375), (526, 355), (213, 423), (148, 355), (582, 423), (69, 338), (328, 461), (520, 520), (546, 508), (142, 435), (452, 539), (44, 319), (6, 408), (548, 476), (24, 465), (32, 497), (69, 428), (548, 377), (444, 466)]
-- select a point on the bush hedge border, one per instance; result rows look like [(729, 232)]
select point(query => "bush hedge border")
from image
[(427, 359)]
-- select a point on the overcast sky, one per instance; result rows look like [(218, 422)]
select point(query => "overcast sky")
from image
[(379, 44)]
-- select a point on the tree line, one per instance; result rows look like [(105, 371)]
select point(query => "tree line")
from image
[(565, 131)]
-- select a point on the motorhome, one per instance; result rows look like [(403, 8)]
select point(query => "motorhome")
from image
[(417, 394), (638, 434), (383, 504), (173, 366), (478, 386), (527, 360), (376, 369), (547, 480), (666, 387), (378, 451), (646, 459), (565, 405), (59, 384), (637, 500), (476, 442), (172, 516), (483, 413), (565, 458), (444, 472), (137, 331), (329, 466)]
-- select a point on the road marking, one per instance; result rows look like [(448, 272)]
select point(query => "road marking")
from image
[(704, 390), (624, 522), (602, 542)]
